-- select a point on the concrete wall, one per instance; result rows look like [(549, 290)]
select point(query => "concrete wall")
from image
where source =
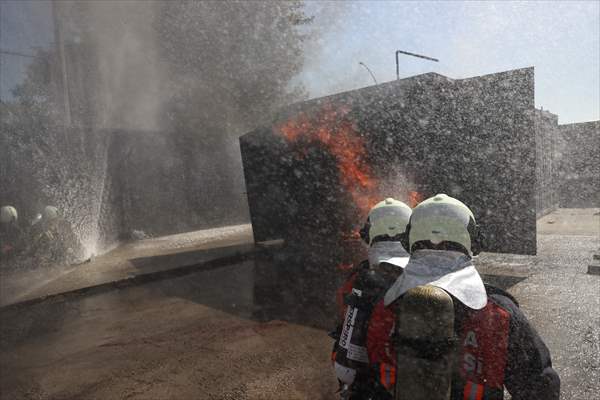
[(150, 188), (546, 166), (579, 168), (471, 138), (567, 164)]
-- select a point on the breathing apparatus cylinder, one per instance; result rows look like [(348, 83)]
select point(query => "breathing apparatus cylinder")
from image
[(351, 356), (425, 344)]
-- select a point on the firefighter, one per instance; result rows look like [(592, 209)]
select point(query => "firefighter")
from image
[(50, 214), (365, 284), (10, 232), (482, 343), (53, 239), (8, 215)]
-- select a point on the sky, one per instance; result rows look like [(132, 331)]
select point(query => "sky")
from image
[(24, 27), (561, 40)]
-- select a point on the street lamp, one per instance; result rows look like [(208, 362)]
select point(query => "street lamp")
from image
[(410, 54), (372, 76)]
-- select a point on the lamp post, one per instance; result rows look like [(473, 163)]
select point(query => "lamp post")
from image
[(410, 54), (368, 69)]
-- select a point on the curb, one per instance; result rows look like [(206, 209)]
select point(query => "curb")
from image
[(136, 280), (593, 269)]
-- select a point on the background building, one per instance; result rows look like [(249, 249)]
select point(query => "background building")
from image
[(546, 168), (578, 155)]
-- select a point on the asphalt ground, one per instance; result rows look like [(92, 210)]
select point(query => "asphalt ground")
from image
[(206, 336)]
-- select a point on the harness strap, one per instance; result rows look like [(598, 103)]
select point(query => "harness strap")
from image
[(387, 375), (473, 391)]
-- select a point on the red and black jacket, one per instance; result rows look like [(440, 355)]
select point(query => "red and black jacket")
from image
[(346, 288), (498, 349), (372, 286)]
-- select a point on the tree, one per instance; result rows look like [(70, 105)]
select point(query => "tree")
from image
[(27, 124)]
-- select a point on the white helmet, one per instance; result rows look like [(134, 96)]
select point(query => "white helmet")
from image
[(444, 219), (387, 218), (50, 213), (8, 214)]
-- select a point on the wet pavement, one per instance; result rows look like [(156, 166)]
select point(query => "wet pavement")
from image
[(559, 297), (126, 262), (200, 336), (257, 329)]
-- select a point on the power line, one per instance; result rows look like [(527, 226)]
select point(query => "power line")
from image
[(16, 53)]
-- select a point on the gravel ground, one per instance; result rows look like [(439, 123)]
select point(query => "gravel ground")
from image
[(563, 302), (559, 297)]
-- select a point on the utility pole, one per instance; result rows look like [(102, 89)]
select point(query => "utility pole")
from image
[(413, 55), (60, 47)]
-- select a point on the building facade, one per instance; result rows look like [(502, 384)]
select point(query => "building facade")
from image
[(578, 163)]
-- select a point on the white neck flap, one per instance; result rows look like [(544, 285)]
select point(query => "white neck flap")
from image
[(388, 252), (449, 270)]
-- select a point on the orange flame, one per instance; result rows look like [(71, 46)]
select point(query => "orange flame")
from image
[(338, 134), (414, 198), (345, 267)]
